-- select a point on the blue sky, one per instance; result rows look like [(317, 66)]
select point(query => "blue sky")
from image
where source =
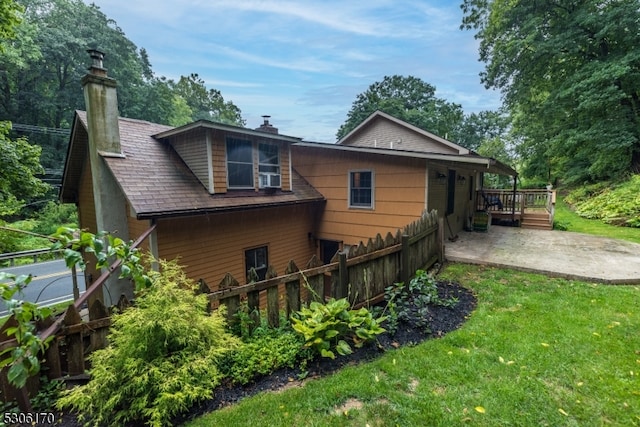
[(304, 62)]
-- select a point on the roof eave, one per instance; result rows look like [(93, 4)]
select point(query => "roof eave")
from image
[(227, 209), (206, 124), (474, 159)]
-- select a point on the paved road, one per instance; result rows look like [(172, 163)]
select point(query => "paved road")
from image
[(50, 285)]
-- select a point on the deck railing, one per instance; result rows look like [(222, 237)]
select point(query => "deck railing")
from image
[(517, 203)]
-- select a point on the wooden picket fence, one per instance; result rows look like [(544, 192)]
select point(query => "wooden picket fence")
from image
[(361, 275)]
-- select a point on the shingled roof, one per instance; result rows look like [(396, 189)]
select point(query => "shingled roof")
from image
[(157, 183)]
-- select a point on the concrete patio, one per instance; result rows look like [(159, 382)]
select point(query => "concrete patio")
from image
[(557, 253)]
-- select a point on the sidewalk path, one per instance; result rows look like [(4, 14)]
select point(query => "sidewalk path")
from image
[(558, 253)]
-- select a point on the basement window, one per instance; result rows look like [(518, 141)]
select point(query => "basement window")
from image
[(257, 258), (361, 189), (239, 163)]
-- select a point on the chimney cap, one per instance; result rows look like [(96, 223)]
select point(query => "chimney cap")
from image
[(96, 56)]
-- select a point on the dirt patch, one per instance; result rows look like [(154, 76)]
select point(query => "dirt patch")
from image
[(348, 406)]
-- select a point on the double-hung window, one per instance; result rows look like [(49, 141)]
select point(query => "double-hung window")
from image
[(361, 189), (239, 163), (269, 165)]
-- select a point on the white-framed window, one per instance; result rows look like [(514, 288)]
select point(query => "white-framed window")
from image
[(268, 158), (239, 163), (269, 165), (361, 189), (257, 258)]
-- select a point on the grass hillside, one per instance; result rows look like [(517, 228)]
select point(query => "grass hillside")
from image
[(616, 204)]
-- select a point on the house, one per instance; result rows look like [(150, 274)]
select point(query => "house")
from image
[(222, 198), (226, 199), (385, 173)]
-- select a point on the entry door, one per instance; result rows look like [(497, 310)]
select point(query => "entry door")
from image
[(328, 249)]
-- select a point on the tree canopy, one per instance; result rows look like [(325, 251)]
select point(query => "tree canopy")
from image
[(413, 100), (410, 99), (569, 73), (19, 167), (43, 58)]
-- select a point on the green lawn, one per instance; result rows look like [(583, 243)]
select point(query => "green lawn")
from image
[(569, 219), (536, 351)]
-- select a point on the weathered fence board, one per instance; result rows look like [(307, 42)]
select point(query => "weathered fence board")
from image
[(361, 275)]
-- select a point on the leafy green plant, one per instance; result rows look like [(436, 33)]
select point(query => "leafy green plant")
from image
[(163, 356), (262, 354), (105, 248), (22, 359), (411, 303), (329, 327)]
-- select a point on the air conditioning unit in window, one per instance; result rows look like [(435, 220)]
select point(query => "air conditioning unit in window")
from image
[(269, 180)]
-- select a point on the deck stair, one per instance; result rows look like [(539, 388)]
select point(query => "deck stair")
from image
[(538, 220)]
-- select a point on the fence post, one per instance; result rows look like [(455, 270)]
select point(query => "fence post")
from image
[(75, 349), (440, 242), (99, 336), (292, 290), (273, 306), (340, 286), (404, 255), (253, 301), (232, 303)]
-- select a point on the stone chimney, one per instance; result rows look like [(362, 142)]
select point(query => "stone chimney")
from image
[(101, 101), (267, 127)]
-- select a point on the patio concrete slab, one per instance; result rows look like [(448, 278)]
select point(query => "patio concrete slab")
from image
[(558, 253)]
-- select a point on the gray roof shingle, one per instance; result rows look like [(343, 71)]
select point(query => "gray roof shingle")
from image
[(157, 183)]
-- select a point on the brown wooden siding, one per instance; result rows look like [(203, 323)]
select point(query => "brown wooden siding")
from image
[(398, 191), (210, 246), (137, 227), (219, 153), (192, 148), (437, 197), (383, 133)]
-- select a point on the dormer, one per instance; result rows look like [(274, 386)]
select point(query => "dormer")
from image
[(228, 159)]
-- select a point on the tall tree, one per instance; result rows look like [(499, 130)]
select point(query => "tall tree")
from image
[(569, 72), (204, 103), (409, 99), (480, 127), (19, 167)]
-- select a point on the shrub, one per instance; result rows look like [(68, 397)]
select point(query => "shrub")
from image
[(262, 354), (328, 327), (162, 358), (410, 304)]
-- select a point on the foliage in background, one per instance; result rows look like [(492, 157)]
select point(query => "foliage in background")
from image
[(413, 100), (617, 204), (333, 326), (19, 167), (55, 215), (569, 74), (163, 356)]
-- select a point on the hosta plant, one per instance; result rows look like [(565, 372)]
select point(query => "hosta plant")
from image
[(333, 327)]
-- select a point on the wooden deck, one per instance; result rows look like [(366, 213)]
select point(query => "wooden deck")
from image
[(524, 208)]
